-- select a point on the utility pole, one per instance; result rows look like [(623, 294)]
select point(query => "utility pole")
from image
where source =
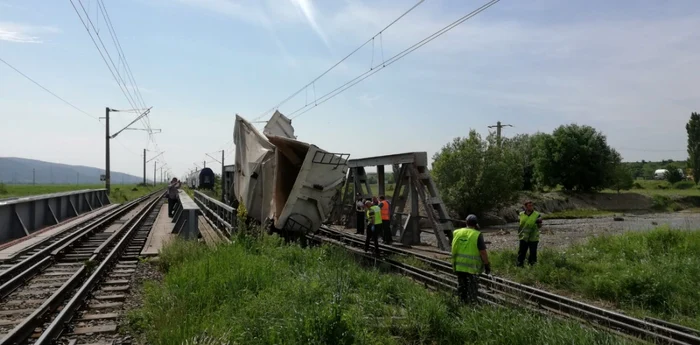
[(205, 164), (33, 176), (144, 167), (107, 175), (108, 137), (154, 173), (498, 127), (77, 178)]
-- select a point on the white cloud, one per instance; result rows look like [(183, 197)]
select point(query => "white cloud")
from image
[(309, 11), (21, 33)]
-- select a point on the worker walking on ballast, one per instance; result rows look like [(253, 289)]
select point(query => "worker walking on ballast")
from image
[(374, 220), (529, 234), (469, 259)]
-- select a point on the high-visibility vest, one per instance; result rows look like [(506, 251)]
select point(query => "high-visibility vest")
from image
[(377, 214), (465, 252), (385, 210), (528, 227)]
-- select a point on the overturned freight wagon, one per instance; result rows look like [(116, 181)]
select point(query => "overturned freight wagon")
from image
[(307, 179), (282, 179)]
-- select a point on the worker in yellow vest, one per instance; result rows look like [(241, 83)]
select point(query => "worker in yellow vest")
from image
[(375, 216), (386, 219), (529, 234), (469, 259)]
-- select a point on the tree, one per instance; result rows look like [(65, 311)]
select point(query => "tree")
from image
[(674, 174), (575, 157), (693, 129), (525, 146), (623, 179), (475, 175)]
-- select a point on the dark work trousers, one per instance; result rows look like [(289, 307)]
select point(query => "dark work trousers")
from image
[(171, 207), (386, 232), (522, 250), (360, 222), (468, 287), (372, 231)]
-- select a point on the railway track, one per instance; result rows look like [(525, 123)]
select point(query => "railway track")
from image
[(501, 291), (45, 287)]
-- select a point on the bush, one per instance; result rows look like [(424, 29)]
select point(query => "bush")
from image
[(674, 174), (637, 185), (3, 189), (622, 178), (660, 202), (577, 158), (265, 292), (475, 175), (684, 185)]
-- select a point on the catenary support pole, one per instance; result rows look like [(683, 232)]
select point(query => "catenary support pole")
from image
[(223, 178), (107, 174), (144, 167)]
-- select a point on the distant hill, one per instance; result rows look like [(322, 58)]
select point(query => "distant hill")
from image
[(19, 171)]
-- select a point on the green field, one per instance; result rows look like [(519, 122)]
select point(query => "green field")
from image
[(653, 273), (118, 194), (266, 292)]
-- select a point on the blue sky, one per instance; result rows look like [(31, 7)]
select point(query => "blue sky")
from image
[(628, 68)]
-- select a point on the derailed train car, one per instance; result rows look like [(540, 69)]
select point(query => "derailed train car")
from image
[(281, 180)]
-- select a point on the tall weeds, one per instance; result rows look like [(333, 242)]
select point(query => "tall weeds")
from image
[(258, 290)]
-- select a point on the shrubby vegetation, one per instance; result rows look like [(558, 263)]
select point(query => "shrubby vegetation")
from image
[(475, 175), (261, 291)]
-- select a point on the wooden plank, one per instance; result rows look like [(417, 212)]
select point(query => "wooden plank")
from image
[(104, 316), (109, 297), (116, 282), (95, 329), (116, 288), (105, 305), (16, 311)]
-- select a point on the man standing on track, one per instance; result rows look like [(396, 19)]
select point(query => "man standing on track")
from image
[(172, 196), (469, 259), (386, 219), (360, 215), (529, 234), (374, 217)]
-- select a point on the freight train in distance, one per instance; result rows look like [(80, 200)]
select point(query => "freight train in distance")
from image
[(201, 179)]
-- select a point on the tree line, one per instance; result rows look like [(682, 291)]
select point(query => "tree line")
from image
[(476, 174)]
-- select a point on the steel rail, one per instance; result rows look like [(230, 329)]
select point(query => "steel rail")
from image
[(26, 264), (657, 331), (54, 330), (21, 332)]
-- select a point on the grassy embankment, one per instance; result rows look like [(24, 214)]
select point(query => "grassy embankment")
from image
[(653, 273), (265, 292), (118, 193)]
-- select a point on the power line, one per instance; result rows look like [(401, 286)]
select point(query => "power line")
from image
[(47, 90), (388, 62), (102, 55), (341, 61)]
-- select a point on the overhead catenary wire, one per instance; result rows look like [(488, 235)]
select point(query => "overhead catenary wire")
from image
[(47, 90), (312, 83), (115, 73), (328, 96)]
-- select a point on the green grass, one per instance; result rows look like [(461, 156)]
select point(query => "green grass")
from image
[(663, 188), (575, 214), (653, 273), (119, 193), (265, 292)]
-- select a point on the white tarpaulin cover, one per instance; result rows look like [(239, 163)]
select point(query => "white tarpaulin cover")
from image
[(254, 177), (279, 126)]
